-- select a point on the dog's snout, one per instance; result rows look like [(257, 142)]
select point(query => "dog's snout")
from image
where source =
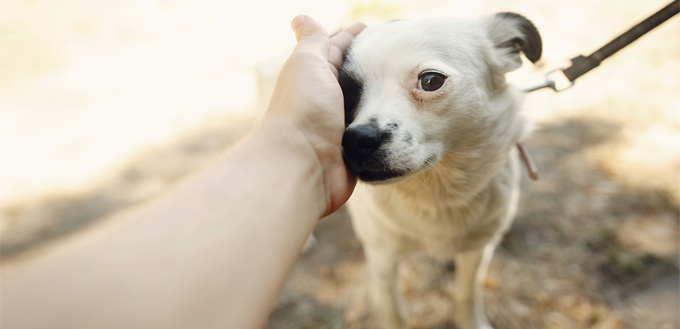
[(360, 142)]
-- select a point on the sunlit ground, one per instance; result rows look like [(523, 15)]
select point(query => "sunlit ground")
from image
[(104, 104)]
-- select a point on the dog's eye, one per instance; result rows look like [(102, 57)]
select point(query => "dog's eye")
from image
[(431, 81)]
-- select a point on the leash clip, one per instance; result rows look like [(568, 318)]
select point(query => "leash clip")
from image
[(563, 83)]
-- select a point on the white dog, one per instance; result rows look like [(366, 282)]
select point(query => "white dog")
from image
[(432, 127)]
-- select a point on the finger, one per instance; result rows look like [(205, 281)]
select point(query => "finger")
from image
[(341, 41), (344, 38), (335, 58), (311, 36), (334, 70)]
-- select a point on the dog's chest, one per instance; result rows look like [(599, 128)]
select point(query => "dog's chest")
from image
[(414, 222)]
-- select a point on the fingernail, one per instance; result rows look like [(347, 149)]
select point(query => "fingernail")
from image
[(298, 22)]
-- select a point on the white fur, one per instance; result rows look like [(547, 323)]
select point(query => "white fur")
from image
[(460, 190)]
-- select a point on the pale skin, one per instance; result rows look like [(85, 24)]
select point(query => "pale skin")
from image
[(161, 265)]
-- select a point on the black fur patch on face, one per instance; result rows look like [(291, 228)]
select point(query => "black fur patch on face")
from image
[(352, 89)]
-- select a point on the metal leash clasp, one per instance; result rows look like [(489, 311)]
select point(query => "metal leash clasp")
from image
[(562, 84)]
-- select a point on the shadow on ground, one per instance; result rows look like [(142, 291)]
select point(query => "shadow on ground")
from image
[(36, 222)]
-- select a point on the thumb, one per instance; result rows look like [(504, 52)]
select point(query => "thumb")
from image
[(311, 36)]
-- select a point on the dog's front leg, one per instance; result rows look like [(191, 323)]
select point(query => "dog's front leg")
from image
[(382, 268), (471, 267)]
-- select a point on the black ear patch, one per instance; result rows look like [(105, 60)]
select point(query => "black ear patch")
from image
[(529, 41)]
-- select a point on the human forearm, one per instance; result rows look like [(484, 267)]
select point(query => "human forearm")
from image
[(293, 206), (210, 252)]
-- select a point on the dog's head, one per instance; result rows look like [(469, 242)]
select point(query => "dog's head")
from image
[(416, 91)]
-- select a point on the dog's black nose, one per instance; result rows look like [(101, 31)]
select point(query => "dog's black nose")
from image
[(359, 142)]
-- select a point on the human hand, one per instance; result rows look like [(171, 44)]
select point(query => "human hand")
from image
[(308, 98)]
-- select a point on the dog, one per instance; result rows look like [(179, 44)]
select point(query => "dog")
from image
[(431, 125)]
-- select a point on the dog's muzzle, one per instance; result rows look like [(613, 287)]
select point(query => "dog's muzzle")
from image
[(364, 153)]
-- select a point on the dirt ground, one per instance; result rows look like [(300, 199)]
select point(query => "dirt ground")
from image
[(595, 243)]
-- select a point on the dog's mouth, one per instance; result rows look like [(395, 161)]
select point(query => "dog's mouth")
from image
[(371, 170), (378, 176), (380, 172)]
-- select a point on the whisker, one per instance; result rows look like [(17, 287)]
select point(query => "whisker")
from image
[(452, 152), (421, 182), (431, 163), (434, 167), (439, 170)]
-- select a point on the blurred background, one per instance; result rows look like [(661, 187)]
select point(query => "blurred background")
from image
[(106, 104)]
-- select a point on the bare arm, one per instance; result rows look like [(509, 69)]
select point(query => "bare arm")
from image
[(215, 251)]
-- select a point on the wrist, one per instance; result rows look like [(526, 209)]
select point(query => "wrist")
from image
[(286, 153)]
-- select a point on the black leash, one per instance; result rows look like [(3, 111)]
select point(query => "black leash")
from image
[(581, 65)]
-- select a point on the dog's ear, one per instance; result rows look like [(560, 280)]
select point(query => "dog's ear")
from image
[(511, 34)]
